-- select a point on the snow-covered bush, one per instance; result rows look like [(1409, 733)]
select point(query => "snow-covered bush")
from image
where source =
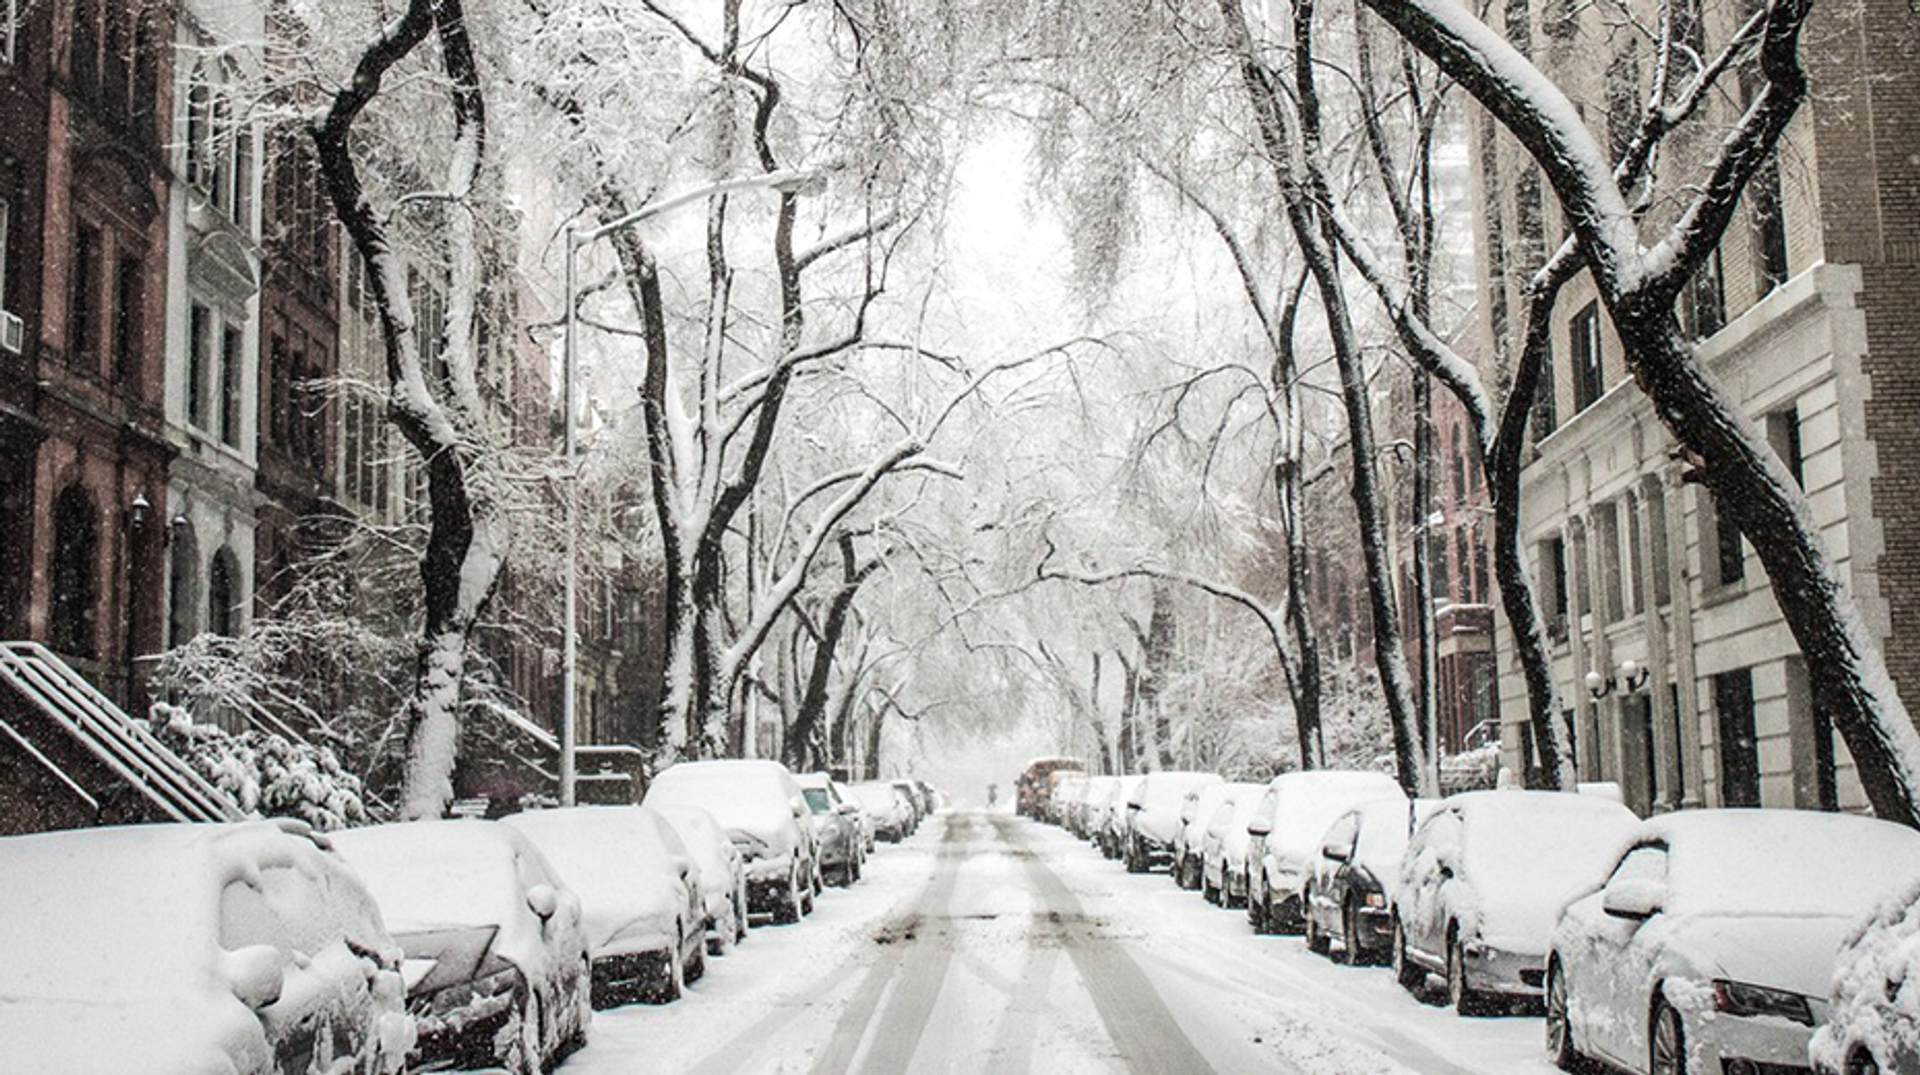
[(266, 774), (1876, 1004)]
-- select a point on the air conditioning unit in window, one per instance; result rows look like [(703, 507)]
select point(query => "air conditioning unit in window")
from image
[(13, 333)]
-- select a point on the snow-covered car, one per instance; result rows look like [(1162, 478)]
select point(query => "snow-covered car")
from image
[(1068, 795), (496, 952), (1091, 813), (1484, 880), (912, 792), (861, 819), (1711, 947), (1113, 833), (1223, 850), (765, 816), (640, 899), (836, 830), (1873, 1018), (1196, 809), (190, 948), (1285, 832), (1153, 820), (723, 877), (888, 806), (1349, 896)]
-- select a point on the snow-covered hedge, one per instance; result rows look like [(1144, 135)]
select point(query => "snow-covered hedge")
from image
[(266, 774), (1875, 1002)]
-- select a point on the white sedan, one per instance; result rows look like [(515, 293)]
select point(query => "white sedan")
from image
[(1711, 946)]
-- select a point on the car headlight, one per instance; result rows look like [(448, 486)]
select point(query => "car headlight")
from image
[(1742, 998), (1376, 899)]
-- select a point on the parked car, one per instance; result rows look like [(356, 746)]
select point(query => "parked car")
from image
[(1223, 851), (862, 820), (1711, 946), (1153, 820), (1285, 832), (1032, 791), (1068, 794), (765, 816), (1091, 814), (193, 947), (1873, 1019), (1113, 833), (1196, 809), (1483, 882), (836, 831), (1350, 895), (640, 900), (496, 952), (920, 809), (723, 876), (888, 806)]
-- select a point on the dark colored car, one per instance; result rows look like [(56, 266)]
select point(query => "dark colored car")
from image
[(1349, 898), (1032, 791), (835, 828)]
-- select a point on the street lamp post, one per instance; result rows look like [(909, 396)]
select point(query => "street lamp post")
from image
[(783, 180)]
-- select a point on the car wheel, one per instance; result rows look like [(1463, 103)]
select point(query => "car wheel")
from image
[(1666, 1041), (1207, 891), (1862, 1063), (1465, 999), (1409, 974), (1357, 954), (787, 911), (1256, 909), (676, 982), (807, 892), (1317, 941), (698, 968), (1560, 1047), (739, 918)]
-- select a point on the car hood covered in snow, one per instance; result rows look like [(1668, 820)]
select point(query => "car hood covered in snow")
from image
[(1526, 855), (1157, 799), (624, 863)]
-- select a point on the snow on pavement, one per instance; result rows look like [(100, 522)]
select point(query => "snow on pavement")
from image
[(990, 943)]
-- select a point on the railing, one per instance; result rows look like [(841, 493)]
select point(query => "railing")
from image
[(121, 744)]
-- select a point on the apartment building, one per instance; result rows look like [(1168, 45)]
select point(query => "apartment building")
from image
[(1670, 656)]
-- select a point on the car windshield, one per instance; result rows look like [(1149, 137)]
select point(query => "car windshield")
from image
[(818, 800)]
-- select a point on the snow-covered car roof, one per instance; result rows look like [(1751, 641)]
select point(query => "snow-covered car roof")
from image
[(116, 942), (440, 875), (1168, 789), (755, 797), (1795, 863), (1527, 854), (624, 862), (1306, 803), (706, 843)]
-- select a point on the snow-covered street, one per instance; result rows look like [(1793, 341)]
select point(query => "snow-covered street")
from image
[(992, 943)]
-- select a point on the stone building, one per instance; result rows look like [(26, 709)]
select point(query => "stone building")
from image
[(1682, 681)]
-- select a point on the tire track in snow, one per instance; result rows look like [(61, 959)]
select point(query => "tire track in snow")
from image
[(882, 1025), (1142, 1028)]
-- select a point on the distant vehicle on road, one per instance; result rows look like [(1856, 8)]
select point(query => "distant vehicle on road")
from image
[(1032, 792), (889, 807)]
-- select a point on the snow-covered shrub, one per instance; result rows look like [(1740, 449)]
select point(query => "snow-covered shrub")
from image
[(266, 774)]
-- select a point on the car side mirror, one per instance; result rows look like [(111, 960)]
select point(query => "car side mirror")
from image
[(799, 807), (1335, 852), (849, 808), (542, 900), (1635, 900), (1445, 860), (257, 973), (1259, 827), (682, 865)]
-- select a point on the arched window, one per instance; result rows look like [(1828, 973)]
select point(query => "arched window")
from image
[(76, 538), (183, 585), (222, 603)]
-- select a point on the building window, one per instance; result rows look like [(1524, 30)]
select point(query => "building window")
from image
[(1783, 435), (1767, 211), (129, 306), (1728, 554), (1553, 584), (1657, 561), (1545, 411), (1739, 739), (86, 271), (86, 45), (1606, 532), (6, 217), (1438, 577), (76, 538), (1469, 586), (1483, 589), (199, 343), (183, 583), (222, 597), (1589, 382), (232, 343), (1703, 303)]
